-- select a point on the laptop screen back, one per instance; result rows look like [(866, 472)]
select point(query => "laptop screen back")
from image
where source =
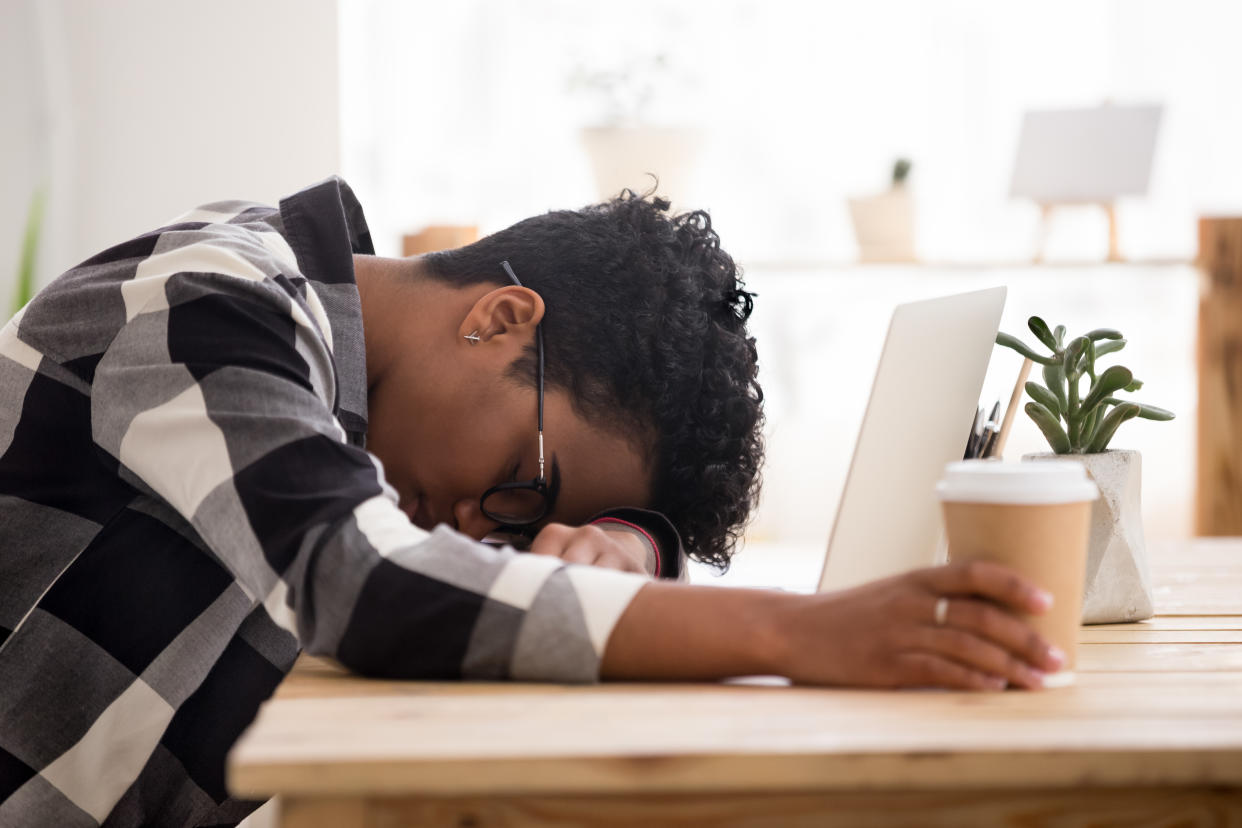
[(922, 404)]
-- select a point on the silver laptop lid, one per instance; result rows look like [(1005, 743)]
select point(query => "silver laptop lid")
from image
[(922, 403)]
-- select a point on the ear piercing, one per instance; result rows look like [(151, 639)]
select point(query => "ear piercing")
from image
[(473, 337)]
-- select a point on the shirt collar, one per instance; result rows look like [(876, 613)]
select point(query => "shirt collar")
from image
[(325, 226)]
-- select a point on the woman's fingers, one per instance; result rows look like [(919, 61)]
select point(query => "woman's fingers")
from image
[(588, 545), (550, 540), (581, 551), (613, 559), (598, 548), (923, 669), (992, 624), (1006, 592), (989, 580), (564, 542), (978, 655)]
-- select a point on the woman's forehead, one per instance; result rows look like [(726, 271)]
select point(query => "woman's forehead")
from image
[(600, 468)]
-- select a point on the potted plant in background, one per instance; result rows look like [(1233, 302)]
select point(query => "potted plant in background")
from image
[(884, 223), (23, 291), (624, 144), (1118, 586)]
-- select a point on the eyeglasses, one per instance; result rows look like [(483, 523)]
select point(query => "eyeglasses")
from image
[(519, 505)]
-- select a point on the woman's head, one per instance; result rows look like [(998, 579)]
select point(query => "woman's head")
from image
[(644, 328)]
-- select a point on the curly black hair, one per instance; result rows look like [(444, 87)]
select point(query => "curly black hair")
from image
[(645, 327)]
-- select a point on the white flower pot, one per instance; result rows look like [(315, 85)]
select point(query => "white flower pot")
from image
[(624, 157), (884, 226), (1118, 583)]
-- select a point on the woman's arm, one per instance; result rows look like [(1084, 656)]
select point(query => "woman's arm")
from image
[(881, 634)]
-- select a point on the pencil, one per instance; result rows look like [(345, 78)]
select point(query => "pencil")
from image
[(972, 441), (1012, 408)]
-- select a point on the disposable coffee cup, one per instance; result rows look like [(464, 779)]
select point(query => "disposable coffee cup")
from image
[(1035, 519)]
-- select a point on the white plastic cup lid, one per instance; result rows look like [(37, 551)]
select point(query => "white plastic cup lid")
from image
[(993, 481)]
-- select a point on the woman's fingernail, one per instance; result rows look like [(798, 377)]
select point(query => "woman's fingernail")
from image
[(1035, 678), (1043, 599), (1057, 655)]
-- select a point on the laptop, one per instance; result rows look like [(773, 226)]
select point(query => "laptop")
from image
[(922, 405)]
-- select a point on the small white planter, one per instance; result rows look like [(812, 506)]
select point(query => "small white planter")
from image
[(884, 226), (1118, 583), (624, 157)]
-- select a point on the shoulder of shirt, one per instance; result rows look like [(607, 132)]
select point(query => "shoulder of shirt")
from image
[(226, 247)]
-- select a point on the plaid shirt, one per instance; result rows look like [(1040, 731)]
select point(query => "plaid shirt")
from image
[(186, 504)]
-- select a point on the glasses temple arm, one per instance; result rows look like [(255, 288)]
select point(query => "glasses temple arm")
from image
[(539, 340)]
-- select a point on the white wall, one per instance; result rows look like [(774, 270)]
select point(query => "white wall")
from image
[(22, 131), (132, 111), (800, 105)]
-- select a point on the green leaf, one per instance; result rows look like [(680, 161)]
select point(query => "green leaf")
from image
[(1088, 359), (1154, 412), (1040, 328), (1073, 353), (30, 249), (1134, 386), (1146, 412), (901, 169), (1091, 424), (1050, 426), (1059, 335), (1103, 333), (1018, 345), (1054, 380), (1073, 423), (1044, 397), (1114, 378), (1123, 412), (1108, 347)]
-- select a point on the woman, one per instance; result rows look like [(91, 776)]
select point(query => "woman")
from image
[(243, 435)]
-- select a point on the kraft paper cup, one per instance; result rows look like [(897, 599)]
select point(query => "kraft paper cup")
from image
[(1034, 518)]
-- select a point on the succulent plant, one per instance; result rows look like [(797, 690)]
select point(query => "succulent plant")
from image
[(901, 171), (1090, 420)]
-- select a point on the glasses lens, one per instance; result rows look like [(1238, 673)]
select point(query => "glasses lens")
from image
[(516, 506)]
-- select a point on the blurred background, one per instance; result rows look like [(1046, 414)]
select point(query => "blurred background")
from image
[(784, 119)]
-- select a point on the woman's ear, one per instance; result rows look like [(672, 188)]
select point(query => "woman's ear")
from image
[(506, 310)]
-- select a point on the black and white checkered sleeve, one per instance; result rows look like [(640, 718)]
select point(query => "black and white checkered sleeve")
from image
[(217, 396)]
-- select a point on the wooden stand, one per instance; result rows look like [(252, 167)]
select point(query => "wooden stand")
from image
[(1218, 491), (1045, 217)]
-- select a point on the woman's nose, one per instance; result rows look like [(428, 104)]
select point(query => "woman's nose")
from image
[(469, 519)]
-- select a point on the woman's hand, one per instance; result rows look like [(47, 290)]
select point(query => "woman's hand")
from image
[(593, 545), (887, 634)]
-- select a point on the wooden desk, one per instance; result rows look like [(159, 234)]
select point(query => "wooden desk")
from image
[(1151, 735)]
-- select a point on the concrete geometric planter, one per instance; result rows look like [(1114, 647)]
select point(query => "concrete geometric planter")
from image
[(1118, 583)]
